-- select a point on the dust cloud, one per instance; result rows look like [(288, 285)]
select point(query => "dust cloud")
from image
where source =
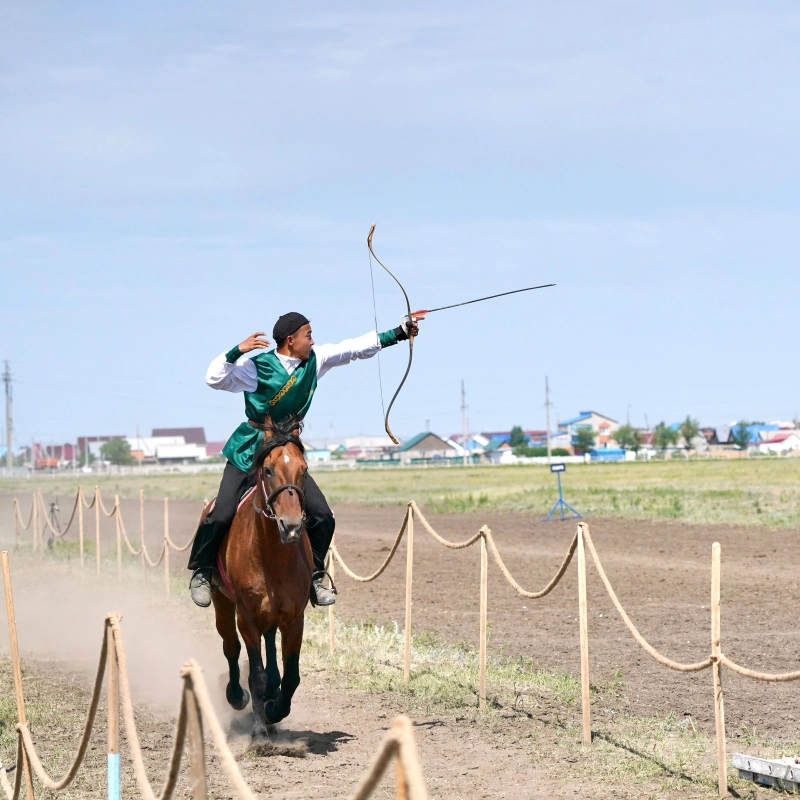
[(60, 616)]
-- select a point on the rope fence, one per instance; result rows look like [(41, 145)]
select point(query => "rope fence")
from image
[(196, 717), (39, 521), (580, 543)]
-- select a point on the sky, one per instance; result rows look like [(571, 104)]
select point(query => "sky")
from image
[(176, 175)]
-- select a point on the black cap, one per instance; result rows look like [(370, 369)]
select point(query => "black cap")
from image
[(287, 325)]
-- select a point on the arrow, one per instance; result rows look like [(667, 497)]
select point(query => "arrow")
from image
[(422, 312)]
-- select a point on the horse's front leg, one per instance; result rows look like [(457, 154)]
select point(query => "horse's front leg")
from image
[(273, 673), (225, 612), (291, 642), (258, 677)]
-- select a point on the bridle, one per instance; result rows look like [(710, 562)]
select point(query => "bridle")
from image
[(268, 511)]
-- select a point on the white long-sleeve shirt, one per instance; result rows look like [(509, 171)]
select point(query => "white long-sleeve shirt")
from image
[(241, 375)]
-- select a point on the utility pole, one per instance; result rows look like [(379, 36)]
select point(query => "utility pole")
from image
[(547, 405), (9, 422), (464, 432)]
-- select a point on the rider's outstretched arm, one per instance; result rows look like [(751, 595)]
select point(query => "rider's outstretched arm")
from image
[(366, 346)]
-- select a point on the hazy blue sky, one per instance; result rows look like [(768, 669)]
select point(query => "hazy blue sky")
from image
[(175, 175)]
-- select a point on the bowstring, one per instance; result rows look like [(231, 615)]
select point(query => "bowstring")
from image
[(375, 315)]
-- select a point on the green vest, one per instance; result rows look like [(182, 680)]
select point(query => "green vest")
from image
[(278, 394)]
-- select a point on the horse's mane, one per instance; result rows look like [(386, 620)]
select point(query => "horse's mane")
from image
[(278, 434)]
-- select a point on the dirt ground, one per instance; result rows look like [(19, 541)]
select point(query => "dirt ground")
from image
[(662, 575)]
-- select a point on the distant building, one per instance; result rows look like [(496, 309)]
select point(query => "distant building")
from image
[(368, 448), (561, 439), (427, 446), (537, 438), (180, 453), (533, 437), (499, 451), (718, 436), (723, 435), (190, 435), (59, 452), (475, 445), (165, 449), (602, 426), (781, 442)]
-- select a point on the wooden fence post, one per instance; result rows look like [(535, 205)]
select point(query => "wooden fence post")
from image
[(716, 669), (583, 614), (15, 663), (113, 716), (97, 525), (141, 528), (401, 784), (119, 535), (197, 765), (331, 621), (482, 645), (409, 580), (35, 530), (80, 521), (41, 514), (166, 544), (32, 523)]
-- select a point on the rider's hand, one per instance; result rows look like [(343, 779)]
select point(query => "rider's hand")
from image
[(411, 329), (256, 341)]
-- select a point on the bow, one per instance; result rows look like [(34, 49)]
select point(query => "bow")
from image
[(410, 336)]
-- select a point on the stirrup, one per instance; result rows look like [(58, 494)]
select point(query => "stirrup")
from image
[(321, 573), (322, 595)]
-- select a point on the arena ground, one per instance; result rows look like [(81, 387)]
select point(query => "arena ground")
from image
[(661, 572)]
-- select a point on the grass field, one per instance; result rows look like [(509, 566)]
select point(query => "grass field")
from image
[(763, 492)]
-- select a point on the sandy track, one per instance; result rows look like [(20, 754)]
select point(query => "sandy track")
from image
[(661, 572), (60, 620)]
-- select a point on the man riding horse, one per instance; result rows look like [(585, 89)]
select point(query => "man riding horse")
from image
[(279, 383)]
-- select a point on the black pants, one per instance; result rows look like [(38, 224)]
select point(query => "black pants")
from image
[(320, 523)]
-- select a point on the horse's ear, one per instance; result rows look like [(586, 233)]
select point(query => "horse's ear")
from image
[(268, 420), (297, 427)]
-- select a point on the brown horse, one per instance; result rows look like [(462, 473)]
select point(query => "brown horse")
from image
[(267, 560)]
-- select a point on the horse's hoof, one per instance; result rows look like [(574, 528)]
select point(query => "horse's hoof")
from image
[(241, 702), (272, 712)]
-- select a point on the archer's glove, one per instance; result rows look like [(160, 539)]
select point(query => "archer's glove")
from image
[(405, 329)]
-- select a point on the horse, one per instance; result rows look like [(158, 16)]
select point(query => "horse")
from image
[(266, 564)]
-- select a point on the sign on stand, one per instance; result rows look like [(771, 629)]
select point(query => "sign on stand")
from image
[(561, 503)]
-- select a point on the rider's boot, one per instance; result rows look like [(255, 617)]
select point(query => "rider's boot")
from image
[(203, 583), (322, 595)]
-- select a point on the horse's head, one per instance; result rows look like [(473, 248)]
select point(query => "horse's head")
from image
[(280, 470)]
